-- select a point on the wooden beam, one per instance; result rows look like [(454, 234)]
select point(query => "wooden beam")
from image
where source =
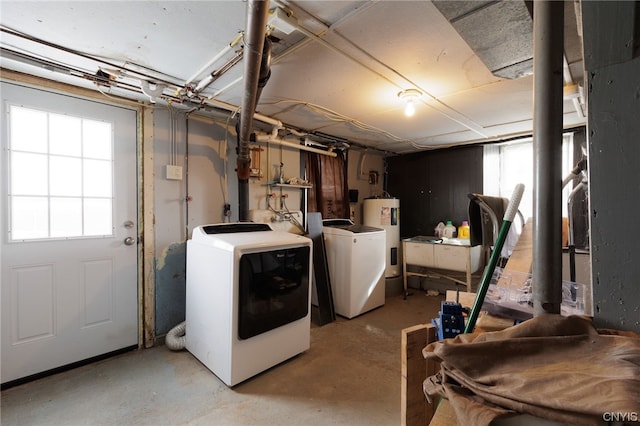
[(415, 410), (521, 258), (148, 232)]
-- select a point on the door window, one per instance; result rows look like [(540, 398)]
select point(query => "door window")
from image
[(61, 176)]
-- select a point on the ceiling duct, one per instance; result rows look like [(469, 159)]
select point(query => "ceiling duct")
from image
[(499, 32)]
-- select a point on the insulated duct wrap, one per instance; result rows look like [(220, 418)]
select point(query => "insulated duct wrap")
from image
[(499, 32)]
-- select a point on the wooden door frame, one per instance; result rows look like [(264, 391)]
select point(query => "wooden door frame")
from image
[(145, 190), (146, 219)]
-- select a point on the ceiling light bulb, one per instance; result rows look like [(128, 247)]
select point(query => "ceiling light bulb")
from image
[(410, 96), (410, 108)]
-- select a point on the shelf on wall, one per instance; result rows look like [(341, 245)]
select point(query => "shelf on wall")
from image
[(288, 185)]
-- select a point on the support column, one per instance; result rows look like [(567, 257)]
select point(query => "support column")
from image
[(548, 43), (257, 11)]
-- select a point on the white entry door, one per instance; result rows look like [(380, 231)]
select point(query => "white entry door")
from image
[(69, 231)]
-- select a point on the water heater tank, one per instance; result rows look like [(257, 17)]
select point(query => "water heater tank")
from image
[(385, 213)]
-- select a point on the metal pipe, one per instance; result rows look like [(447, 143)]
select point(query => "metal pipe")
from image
[(580, 187), (579, 168), (223, 52), (64, 68), (254, 43), (284, 142), (215, 74), (571, 242), (215, 59), (233, 108), (548, 21), (225, 88)]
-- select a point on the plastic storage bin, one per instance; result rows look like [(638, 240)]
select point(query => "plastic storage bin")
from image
[(510, 295)]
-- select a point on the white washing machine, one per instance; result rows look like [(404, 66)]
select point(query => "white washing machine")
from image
[(248, 298), (356, 259)]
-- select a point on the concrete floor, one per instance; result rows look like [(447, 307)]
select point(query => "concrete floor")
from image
[(349, 376)]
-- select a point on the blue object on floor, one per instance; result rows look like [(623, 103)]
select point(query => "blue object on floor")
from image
[(450, 322)]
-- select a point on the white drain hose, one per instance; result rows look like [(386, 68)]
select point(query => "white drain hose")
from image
[(175, 339)]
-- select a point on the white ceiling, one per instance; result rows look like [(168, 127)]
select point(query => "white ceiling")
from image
[(337, 73)]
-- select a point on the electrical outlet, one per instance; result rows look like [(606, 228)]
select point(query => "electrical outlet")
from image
[(373, 177), (174, 172)]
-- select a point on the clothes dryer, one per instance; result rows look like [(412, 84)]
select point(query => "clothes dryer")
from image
[(248, 298)]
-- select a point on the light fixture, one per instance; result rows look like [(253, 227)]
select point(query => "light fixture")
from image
[(410, 96)]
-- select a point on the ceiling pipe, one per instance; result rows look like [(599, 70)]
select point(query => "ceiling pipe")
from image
[(434, 103), (215, 59), (548, 32), (215, 74), (257, 12), (271, 138), (65, 69), (257, 116)]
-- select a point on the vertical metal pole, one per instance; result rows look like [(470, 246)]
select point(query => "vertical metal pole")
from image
[(257, 11), (548, 43)]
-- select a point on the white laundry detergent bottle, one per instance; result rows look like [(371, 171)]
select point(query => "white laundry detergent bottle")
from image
[(449, 230)]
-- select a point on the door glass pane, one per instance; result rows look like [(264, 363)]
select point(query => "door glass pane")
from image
[(28, 174), (65, 135), (66, 176), (67, 163), (97, 178), (96, 139), (97, 216), (28, 130), (29, 218), (66, 217)]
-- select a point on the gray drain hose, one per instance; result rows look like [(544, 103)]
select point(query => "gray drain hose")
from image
[(175, 339)]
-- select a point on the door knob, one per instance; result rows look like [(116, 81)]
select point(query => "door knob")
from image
[(129, 241)]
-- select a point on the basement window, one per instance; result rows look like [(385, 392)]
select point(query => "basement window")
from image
[(60, 176), (507, 164)]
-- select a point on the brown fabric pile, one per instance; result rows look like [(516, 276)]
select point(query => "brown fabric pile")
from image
[(553, 367)]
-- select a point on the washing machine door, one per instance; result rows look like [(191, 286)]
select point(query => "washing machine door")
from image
[(273, 289)]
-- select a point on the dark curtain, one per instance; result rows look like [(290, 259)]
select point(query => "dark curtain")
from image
[(330, 193)]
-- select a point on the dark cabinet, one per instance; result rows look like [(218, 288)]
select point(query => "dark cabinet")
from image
[(433, 185)]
